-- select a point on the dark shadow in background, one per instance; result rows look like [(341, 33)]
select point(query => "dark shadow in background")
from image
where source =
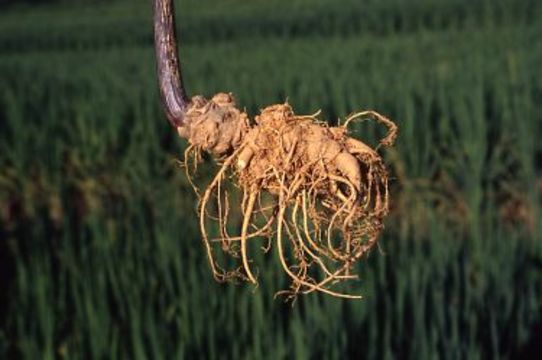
[(533, 348)]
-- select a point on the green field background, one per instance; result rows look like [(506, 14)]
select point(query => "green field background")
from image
[(100, 252)]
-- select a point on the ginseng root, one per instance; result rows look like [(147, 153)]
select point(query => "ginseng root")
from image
[(316, 194)]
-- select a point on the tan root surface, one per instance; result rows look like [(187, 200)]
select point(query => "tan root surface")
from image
[(311, 191)]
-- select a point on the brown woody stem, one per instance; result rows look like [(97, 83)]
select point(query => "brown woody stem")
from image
[(174, 98)]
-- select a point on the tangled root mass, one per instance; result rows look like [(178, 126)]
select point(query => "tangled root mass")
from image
[(314, 193)]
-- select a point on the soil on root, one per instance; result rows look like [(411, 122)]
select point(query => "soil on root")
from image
[(311, 191)]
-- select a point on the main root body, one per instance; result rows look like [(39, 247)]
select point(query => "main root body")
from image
[(311, 191)]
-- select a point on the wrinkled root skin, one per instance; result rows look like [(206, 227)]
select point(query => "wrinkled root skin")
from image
[(316, 194), (215, 126)]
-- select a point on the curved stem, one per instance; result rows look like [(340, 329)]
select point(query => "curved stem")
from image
[(174, 98)]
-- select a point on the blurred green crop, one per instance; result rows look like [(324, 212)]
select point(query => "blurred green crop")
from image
[(100, 252)]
